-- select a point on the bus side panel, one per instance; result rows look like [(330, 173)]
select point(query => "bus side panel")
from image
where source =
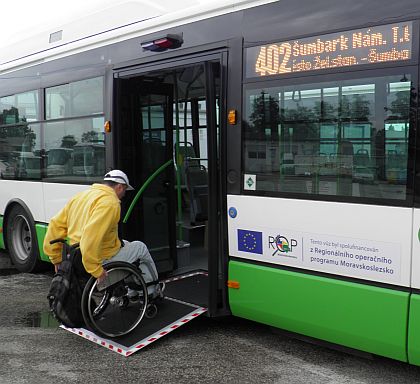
[(358, 316), (41, 230), (414, 330), (56, 196), (1, 233)]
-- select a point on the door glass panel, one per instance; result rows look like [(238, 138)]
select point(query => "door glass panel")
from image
[(165, 119), (153, 149)]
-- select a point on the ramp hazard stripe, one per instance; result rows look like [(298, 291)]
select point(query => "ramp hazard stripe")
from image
[(127, 351), (165, 331), (180, 277)]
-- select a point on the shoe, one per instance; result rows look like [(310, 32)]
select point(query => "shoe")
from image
[(162, 286), (158, 293)]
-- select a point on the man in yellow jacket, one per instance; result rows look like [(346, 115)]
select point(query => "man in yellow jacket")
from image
[(91, 218)]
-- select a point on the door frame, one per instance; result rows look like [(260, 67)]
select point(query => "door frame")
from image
[(217, 246)]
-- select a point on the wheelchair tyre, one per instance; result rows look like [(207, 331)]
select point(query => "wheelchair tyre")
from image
[(109, 311), (151, 311)]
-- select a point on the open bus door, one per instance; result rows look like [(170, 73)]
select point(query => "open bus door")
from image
[(167, 141)]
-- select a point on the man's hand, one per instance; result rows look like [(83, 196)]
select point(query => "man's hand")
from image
[(56, 266), (102, 277)]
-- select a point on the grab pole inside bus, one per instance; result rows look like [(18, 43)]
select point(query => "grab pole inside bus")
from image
[(144, 186)]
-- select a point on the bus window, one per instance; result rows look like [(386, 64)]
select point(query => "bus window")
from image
[(349, 138), (22, 107), (23, 165), (78, 98), (20, 151), (75, 148), (60, 161), (89, 159)]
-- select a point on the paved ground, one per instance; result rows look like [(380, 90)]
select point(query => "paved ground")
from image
[(34, 350), (4, 261)]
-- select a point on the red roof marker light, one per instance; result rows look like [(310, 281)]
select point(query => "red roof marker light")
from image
[(163, 43)]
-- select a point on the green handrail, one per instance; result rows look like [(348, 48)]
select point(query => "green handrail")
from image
[(144, 186)]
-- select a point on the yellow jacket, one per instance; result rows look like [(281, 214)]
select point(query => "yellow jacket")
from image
[(90, 218)]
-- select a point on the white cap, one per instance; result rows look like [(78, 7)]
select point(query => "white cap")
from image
[(119, 177)]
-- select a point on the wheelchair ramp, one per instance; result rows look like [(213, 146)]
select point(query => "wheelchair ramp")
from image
[(185, 299)]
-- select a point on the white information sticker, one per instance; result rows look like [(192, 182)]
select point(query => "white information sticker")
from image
[(250, 182)]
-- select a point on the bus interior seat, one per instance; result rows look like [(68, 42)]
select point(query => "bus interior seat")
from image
[(362, 158), (396, 167), (187, 157), (198, 190)]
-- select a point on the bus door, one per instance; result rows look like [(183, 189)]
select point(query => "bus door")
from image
[(167, 140)]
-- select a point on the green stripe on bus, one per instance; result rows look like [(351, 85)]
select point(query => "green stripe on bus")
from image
[(41, 230), (363, 317), (1, 234), (414, 330)]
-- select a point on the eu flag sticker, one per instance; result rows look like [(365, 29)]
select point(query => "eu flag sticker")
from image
[(250, 241)]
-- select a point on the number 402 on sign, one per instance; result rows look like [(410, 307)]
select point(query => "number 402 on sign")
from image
[(274, 59)]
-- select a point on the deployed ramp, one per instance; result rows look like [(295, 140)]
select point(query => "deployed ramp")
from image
[(185, 299)]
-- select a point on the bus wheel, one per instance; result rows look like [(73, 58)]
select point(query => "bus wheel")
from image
[(21, 240)]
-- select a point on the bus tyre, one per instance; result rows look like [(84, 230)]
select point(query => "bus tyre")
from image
[(22, 243)]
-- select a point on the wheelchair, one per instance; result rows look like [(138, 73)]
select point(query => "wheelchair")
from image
[(118, 304)]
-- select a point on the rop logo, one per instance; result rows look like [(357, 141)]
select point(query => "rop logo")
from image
[(281, 244)]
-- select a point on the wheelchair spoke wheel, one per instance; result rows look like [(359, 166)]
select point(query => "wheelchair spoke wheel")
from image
[(99, 303), (116, 309)]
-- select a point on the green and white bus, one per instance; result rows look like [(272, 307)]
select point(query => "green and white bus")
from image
[(275, 143)]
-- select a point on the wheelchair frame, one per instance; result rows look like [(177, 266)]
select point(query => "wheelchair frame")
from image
[(107, 307)]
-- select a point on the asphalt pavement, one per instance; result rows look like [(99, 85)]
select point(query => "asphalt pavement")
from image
[(33, 349)]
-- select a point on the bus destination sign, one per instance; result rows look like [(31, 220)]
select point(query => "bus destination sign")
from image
[(385, 43)]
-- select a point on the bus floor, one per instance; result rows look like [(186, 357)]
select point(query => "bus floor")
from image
[(196, 259), (185, 299)]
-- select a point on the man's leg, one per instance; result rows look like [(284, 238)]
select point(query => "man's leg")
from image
[(133, 251)]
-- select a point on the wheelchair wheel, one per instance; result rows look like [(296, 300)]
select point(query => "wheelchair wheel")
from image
[(109, 309), (151, 311)]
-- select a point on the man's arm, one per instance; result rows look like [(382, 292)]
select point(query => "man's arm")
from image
[(57, 229)]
